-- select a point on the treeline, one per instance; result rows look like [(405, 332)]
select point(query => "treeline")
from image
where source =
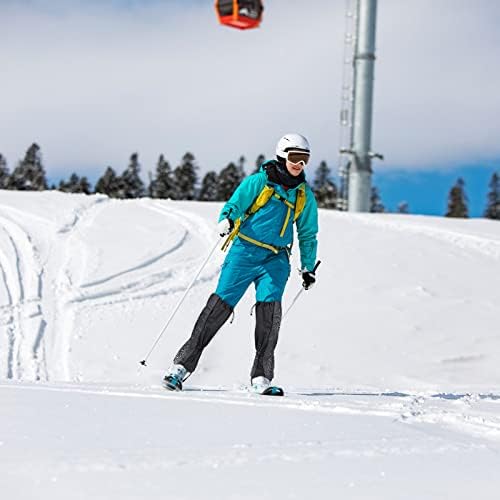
[(179, 183), (183, 183)]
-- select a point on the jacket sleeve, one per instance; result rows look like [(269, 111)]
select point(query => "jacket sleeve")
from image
[(307, 229), (243, 197)]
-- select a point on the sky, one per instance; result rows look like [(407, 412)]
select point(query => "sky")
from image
[(94, 81)]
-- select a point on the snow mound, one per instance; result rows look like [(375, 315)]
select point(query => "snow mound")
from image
[(402, 303), (390, 363)]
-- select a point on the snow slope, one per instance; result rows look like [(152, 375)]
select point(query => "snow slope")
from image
[(391, 362)]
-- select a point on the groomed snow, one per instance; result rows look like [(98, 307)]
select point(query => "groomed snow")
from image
[(391, 362)]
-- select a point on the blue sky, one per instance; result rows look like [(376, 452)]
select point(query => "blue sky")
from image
[(93, 81), (426, 192)]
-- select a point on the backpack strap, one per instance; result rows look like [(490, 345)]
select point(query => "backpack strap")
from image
[(263, 197), (300, 201), (232, 235)]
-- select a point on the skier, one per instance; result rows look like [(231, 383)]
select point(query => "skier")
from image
[(258, 221)]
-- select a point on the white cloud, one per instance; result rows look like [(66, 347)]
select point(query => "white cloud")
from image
[(94, 81), (437, 81)]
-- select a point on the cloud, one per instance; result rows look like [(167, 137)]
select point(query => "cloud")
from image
[(93, 82), (436, 97)]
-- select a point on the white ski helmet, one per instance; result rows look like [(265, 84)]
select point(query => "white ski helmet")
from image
[(289, 142)]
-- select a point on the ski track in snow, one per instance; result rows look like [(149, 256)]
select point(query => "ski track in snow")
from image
[(30, 312), (195, 229), (469, 414), (44, 299), (141, 266), (488, 247), (66, 284), (22, 316)]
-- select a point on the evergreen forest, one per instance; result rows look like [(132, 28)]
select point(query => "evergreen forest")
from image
[(183, 182)]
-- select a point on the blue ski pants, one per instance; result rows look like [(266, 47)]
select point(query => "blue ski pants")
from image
[(247, 263)]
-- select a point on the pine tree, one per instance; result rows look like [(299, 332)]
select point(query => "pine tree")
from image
[(493, 207), (75, 184), (230, 178), (163, 185), (29, 175), (376, 205), (208, 191), (241, 163), (258, 162), (325, 190), (108, 184), (131, 184), (84, 185), (185, 178), (403, 208), (457, 201), (4, 173), (70, 186)]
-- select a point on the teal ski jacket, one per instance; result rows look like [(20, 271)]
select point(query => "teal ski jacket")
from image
[(266, 224)]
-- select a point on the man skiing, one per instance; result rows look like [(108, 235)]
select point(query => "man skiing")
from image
[(258, 220)]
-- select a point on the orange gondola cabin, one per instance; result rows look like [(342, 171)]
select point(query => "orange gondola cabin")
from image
[(242, 14)]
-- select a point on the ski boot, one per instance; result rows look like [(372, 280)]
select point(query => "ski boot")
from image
[(261, 385), (174, 378)]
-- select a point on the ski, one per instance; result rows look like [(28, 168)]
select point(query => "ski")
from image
[(173, 384)]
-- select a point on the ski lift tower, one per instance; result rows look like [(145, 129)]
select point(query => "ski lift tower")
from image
[(357, 176)]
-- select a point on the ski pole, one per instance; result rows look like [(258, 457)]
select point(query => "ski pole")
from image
[(143, 362), (300, 292)]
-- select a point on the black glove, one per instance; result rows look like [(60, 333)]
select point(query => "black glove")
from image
[(308, 279)]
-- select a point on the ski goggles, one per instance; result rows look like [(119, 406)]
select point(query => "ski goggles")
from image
[(296, 157)]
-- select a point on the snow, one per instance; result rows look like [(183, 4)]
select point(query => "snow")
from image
[(391, 362)]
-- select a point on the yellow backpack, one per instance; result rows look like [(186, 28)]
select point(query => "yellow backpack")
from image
[(263, 197)]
